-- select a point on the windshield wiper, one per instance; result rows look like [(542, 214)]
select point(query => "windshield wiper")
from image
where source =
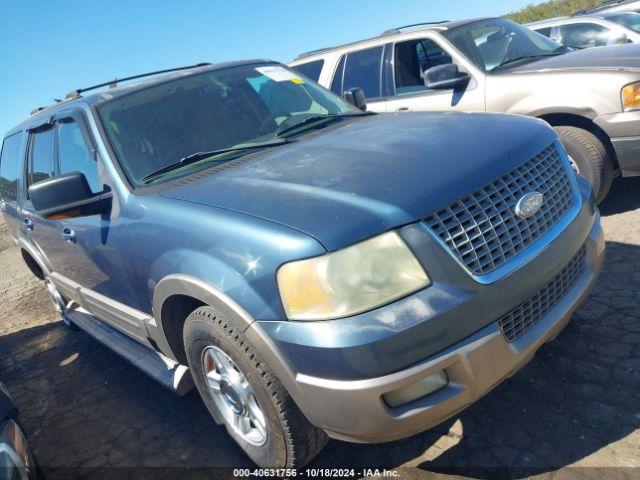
[(317, 118), (525, 57), (197, 156)]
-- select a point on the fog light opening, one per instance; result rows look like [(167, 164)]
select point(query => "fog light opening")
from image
[(421, 388)]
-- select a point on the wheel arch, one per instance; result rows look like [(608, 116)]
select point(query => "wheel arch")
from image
[(176, 296), (570, 119), (33, 260)]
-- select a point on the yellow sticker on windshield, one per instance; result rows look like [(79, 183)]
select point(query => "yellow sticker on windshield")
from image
[(297, 80)]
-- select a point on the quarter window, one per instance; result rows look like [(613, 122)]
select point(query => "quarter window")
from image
[(75, 154), (363, 70), (41, 158), (9, 166), (584, 35), (311, 70)]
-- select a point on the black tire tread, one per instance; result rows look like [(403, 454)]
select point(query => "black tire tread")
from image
[(601, 164), (303, 440)]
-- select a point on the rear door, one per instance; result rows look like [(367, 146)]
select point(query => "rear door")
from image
[(362, 69)]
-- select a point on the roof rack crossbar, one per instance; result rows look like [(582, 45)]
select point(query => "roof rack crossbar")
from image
[(392, 31), (112, 83)]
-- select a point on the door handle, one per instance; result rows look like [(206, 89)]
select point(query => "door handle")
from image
[(28, 223), (68, 234), (404, 109)]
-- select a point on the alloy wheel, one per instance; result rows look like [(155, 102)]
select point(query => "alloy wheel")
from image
[(234, 396)]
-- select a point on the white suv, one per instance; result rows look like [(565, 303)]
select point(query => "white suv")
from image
[(591, 97)]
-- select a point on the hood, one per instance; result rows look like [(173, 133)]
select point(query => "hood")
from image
[(616, 57), (369, 174)]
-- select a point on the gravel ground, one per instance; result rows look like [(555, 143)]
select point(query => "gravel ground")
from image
[(574, 408)]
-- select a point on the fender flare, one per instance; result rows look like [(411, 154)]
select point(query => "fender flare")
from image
[(181, 284)]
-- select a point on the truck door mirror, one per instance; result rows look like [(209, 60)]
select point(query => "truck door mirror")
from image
[(66, 196), (355, 96), (445, 77)]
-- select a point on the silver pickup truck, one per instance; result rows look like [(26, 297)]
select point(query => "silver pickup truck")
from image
[(591, 97)]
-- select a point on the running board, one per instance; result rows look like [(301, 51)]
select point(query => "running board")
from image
[(170, 374)]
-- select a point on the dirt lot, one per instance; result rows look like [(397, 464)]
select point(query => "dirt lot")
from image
[(577, 404)]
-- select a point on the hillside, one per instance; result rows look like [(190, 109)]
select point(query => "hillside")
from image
[(549, 9)]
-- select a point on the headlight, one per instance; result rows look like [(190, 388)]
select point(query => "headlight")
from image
[(631, 97), (350, 281), (16, 461)]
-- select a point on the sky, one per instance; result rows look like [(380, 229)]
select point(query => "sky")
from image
[(48, 48)]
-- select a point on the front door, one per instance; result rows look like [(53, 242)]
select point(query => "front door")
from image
[(89, 251), (411, 58)]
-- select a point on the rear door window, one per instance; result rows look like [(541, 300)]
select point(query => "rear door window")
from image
[(41, 159), (311, 70), (10, 165), (363, 69), (584, 35), (75, 154)]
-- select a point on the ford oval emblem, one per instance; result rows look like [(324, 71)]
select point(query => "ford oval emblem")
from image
[(529, 204)]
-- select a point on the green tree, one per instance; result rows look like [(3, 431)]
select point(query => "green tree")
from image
[(550, 9)]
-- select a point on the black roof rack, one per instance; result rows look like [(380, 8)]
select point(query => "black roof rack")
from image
[(114, 83), (602, 6), (393, 31), (386, 32)]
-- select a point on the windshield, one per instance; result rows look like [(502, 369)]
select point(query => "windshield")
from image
[(156, 127), (629, 20), (500, 43)]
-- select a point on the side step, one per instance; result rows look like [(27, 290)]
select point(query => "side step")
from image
[(172, 375)]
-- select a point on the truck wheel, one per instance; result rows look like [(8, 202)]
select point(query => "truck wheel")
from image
[(240, 391), (589, 158)]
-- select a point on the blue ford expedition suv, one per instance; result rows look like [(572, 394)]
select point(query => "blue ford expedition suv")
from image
[(316, 271)]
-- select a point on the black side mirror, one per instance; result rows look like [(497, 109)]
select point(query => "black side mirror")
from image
[(355, 96), (445, 77), (67, 195)]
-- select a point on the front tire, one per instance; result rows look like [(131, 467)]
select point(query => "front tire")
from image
[(589, 157), (232, 379)]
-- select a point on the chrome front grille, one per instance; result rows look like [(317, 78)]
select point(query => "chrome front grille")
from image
[(482, 229), (515, 323)]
